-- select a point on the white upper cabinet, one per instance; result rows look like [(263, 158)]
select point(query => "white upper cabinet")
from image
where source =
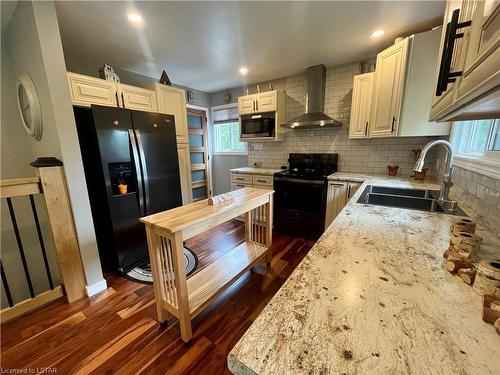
[(361, 104), (257, 103), (401, 91), (467, 78), (87, 90), (388, 90), (419, 84), (137, 98), (172, 100), (246, 104), (267, 101)]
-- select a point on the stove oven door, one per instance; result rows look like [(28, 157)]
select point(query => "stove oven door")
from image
[(299, 206)]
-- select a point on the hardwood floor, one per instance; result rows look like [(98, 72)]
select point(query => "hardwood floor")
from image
[(116, 332)]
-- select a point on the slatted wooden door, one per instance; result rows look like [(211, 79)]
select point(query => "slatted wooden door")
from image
[(198, 147)]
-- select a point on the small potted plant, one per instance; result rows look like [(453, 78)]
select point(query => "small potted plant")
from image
[(392, 170)]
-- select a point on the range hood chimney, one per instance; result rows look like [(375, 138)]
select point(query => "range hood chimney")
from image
[(315, 103)]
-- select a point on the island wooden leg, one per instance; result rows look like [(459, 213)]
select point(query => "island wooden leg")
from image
[(269, 231), (181, 286), (154, 258), (248, 226)]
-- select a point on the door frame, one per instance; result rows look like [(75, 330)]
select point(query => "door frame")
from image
[(208, 142)]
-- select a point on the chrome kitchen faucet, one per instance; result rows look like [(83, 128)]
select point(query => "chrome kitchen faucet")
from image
[(446, 182)]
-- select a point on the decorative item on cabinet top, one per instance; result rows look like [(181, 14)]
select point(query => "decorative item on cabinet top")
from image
[(164, 79), (108, 73)]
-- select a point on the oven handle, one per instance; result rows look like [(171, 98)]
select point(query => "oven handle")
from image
[(299, 181)]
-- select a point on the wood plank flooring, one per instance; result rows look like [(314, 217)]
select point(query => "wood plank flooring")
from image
[(116, 332)]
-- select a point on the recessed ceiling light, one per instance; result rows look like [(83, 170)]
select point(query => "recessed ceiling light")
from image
[(377, 33), (135, 18), (243, 71)]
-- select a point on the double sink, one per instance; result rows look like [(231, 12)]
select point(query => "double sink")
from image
[(413, 199)]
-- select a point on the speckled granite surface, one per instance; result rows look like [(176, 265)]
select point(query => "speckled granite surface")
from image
[(372, 297), (253, 170)]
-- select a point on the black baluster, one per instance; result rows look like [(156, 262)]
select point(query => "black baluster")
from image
[(20, 246), (6, 285), (40, 239)]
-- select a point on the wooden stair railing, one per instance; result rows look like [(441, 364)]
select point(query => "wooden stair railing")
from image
[(52, 184)]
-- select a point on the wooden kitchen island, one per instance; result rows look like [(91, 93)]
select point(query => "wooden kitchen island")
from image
[(166, 231)]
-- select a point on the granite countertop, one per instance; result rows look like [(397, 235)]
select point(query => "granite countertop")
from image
[(372, 297), (255, 170)]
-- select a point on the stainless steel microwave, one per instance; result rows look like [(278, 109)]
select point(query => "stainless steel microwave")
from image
[(258, 125)]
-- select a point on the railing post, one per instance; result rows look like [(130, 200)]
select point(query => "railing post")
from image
[(54, 188)]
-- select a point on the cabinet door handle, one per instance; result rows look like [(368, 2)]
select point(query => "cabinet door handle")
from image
[(256, 105), (366, 129), (393, 122), (117, 100), (123, 101)]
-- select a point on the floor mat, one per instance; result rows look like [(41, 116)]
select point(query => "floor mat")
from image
[(142, 272)]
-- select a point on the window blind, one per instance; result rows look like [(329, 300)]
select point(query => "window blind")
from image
[(225, 115)]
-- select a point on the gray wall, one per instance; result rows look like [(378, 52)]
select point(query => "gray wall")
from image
[(221, 166), (31, 44)]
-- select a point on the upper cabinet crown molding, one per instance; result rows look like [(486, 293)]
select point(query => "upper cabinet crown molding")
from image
[(473, 89), (401, 87)]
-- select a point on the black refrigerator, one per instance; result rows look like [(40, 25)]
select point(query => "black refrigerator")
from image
[(132, 170)]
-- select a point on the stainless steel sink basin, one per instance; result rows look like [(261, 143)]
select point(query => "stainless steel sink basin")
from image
[(413, 199)]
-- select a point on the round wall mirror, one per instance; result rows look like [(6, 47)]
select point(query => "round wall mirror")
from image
[(29, 106)]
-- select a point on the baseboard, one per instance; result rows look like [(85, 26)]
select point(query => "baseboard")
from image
[(96, 288)]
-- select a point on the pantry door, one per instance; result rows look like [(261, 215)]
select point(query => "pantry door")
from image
[(198, 149)]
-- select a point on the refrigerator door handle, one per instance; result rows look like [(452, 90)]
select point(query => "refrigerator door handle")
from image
[(135, 155), (144, 169)]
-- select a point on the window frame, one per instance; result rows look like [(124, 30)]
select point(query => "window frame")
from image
[(214, 133), (486, 162)]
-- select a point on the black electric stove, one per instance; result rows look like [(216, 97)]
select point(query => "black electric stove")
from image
[(300, 194)]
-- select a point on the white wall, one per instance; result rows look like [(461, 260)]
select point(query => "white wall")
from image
[(31, 44)]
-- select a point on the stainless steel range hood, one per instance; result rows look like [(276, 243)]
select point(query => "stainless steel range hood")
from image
[(315, 103)]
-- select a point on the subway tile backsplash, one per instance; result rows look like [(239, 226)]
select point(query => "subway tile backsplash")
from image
[(355, 155), (479, 195)]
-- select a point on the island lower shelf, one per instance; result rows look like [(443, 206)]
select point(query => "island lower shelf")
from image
[(214, 279)]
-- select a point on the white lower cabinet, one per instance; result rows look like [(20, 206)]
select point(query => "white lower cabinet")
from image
[(241, 180), (339, 193)]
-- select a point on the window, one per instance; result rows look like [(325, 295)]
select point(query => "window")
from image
[(226, 131), (477, 146), (227, 139)]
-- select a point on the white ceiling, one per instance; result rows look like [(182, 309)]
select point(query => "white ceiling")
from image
[(202, 44)]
